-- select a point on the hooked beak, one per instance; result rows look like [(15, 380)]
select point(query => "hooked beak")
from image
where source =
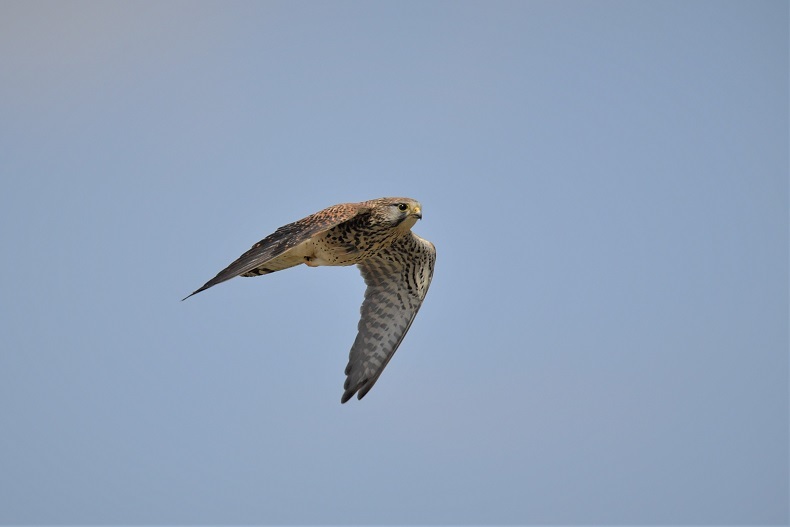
[(417, 212)]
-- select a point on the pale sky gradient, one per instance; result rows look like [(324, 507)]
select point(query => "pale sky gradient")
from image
[(606, 337)]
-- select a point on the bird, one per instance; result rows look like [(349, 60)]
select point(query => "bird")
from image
[(396, 265)]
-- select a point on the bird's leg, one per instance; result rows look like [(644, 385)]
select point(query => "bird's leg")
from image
[(308, 260)]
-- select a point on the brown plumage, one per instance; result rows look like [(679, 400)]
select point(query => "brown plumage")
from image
[(396, 264)]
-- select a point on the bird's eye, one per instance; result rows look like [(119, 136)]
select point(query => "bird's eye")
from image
[(402, 206)]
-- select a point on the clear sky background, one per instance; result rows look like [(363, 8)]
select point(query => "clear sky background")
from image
[(606, 336)]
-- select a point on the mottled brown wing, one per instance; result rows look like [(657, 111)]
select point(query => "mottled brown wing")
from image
[(284, 238), (398, 279)]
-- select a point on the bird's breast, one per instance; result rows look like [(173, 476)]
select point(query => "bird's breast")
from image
[(340, 246)]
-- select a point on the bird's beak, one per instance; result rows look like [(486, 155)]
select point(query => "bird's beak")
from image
[(417, 212)]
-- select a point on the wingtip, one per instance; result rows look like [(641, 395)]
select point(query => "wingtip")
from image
[(349, 394), (194, 293)]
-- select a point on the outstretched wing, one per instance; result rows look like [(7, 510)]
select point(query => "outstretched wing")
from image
[(398, 279), (283, 239)]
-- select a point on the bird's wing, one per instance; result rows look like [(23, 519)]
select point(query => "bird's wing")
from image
[(397, 278), (285, 238)]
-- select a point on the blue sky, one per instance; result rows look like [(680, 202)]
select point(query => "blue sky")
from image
[(606, 336)]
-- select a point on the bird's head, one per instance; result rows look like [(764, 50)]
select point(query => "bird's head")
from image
[(402, 213)]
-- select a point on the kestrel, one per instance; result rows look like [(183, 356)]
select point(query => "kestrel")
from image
[(397, 266)]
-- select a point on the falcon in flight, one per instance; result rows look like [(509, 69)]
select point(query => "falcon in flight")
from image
[(397, 266)]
